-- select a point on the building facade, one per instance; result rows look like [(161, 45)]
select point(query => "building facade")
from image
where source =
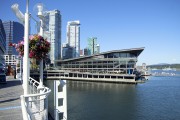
[(66, 51), (11, 59), (73, 37), (53, 19), (85, 51), (14, 33), (2, 43), (93, 47), (81, 53), (111, 66)]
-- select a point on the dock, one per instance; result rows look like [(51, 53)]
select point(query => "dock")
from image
[(10, 103)]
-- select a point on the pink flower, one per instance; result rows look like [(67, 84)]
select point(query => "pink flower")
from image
[(22, 42), (21, 54), (40, 37), (14, 45), (31, 54), (38, 47), (31, 37)]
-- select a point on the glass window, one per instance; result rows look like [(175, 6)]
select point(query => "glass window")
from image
[(110, 55), (116, 55), (123, 54)]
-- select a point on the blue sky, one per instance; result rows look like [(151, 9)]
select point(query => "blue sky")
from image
[(118, 24)]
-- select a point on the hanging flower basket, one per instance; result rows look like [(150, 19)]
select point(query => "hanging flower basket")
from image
[(38, 47)]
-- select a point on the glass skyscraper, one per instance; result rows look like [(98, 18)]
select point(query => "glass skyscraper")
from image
[(53, 19), (66, 51), (73, 37), (14, 33), (2, 43), (93, 47)]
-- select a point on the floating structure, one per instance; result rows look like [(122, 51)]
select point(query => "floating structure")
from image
[(112, 66)]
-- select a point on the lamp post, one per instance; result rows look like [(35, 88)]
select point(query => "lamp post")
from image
[(18, 13), (21, 17), (26, 50), (40, 14), (24, 19)]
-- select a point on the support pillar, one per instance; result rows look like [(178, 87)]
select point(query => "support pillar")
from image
[(60, 100)]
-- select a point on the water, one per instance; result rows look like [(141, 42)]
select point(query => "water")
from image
[(157, 99)]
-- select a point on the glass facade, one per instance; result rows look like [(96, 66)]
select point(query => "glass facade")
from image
[(14, 33), (73, 37), (66, 51), (54, 32), (2, 43), (114, 64), (93, 47), (120, 55)]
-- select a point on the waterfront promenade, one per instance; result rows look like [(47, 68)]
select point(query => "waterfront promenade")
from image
[(10, 103)]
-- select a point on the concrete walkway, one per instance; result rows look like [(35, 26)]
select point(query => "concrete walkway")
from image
[(10, 104)]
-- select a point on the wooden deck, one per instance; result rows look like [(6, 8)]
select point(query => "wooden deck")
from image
[(10, 104)]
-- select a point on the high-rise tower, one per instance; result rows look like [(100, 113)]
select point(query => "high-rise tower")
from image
[(2, 43), (73, 37), (93, 47), (14, 33), (53, 18)]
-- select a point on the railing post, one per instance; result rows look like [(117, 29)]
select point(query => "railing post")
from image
[(29, 102), (24, 109)]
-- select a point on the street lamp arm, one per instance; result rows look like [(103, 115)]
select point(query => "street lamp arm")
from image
[(18, 13)]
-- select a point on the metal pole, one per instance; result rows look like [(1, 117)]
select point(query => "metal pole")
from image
[(20, 68), (41, 62), (26, 51)]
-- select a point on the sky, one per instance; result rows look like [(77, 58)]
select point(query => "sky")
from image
[(117, 24)]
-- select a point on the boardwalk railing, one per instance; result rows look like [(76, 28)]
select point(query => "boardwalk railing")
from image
[(35, 104)]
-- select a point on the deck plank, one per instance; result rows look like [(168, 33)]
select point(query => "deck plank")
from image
[(10, 104)]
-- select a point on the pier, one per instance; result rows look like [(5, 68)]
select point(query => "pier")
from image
[(10, 103), (88, 77), (16, 106)]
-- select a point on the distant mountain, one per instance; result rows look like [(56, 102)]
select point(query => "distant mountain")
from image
[(164, 65)]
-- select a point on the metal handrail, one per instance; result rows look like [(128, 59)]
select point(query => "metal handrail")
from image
[(35, 104), (39, 94)]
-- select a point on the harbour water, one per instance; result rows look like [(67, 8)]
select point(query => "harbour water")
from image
[(157, 99)]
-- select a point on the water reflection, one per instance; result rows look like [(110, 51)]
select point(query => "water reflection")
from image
[(157, 99), (100, 101)]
